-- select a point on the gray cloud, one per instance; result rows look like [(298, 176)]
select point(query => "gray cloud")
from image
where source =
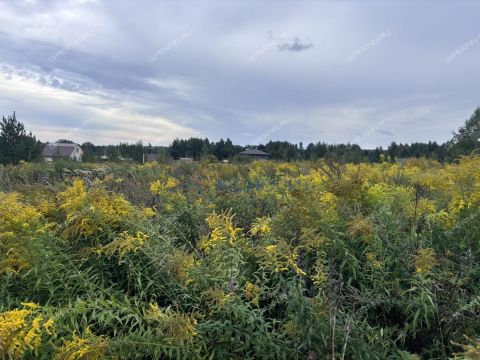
[(386, 132), (295, 45)]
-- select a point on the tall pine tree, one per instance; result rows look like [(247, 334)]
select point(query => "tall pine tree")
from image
[(15, 143)]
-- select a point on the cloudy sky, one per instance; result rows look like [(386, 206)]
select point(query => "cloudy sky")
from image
[(369, 72)]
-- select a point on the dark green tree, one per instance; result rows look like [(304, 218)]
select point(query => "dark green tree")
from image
[(88, 152), (466, 139), (393, 151), (132, 151), (15, 143)]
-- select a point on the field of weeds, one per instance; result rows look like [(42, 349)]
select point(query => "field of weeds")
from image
[(302, 260)]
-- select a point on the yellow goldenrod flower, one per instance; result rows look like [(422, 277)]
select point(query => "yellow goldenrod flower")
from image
[(49, 326), (223, 231), (21, 330), (176, 327), (252, 293), (30, 305), (124, 244), (425, 260), (180, 265), (280, 258), (261, 226), (372, 258), (90, 347)]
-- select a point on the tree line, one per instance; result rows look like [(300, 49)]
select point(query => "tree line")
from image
[(17, 145)]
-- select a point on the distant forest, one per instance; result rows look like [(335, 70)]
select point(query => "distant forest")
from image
[(16, 144)]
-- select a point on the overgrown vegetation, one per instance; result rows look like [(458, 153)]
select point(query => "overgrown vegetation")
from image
[(265, 260)]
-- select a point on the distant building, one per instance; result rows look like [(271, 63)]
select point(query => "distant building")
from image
[(59, 151), (255, 154), (186, 159)]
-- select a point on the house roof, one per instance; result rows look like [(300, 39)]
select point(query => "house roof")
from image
[(58, 149), (254, 152)]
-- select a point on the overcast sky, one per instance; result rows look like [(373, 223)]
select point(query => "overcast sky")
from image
[(369, 72)]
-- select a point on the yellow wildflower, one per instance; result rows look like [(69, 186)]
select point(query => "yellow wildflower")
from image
[(372, 258), (148, 212), (319, 278), (154, 313), (156, 186), (180, 265), (33, 337), (176, 327), (362, 227), (19, 224), (292, 330), (89, 347), (261, 226), (328, 198), (252, 293), (12, 329), (223, 231), (170, 183), (30, 305), (425, 260), (219, 297), (13, 263), (49, 326), (280, 258), (311, 239), (125, 243), (159, 186), (20, 330), (271, 249), (90, 212)]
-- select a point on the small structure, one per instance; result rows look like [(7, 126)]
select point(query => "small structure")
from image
[(255, 154), (57, 151), (186, 159)]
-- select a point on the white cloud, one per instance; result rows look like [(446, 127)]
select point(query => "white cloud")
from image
[(110, 117)]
